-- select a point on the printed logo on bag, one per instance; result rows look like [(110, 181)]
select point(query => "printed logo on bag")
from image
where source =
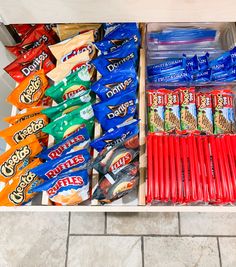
[(18, 195), (116, 62), (115, 88), (77, 51), (8, 168), (34, 65), (33, 128), (27, 96), (204, 101), (37, 43), (120, 110), (78, 159), (111, 143), (123, 160), (186, 97), (73, 93)]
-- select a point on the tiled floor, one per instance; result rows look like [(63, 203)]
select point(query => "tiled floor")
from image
[(117, 240)]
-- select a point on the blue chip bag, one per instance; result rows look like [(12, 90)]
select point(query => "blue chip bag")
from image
[(116, 110), (53, 168), (109, 27), (115, 136), (74, 142), (106, 64), (116, 83), (67, 189)]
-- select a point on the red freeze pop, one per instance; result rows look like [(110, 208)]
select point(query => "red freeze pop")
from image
[(225, 188), (178, 170), (166, 168), (210, 181), (192, 168), (203, 169), (161, 167), (225, 162), (184, 157), (196, 139), (172, 170), (231, 161), (219, 191), (150, 169), (155, 168)]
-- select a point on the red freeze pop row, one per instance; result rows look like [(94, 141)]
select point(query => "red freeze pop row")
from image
[(190, 169)]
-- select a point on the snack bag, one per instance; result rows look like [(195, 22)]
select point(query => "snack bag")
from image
[(30, 62), (67, 189), (74, 142), (52, 168), (23, 115), (18, 132), (106, 64), (222, 101), (170, 77), (76, 84), (188, 113), (66, 68), (116, 83), (17, 157), (115, 158), (67, 49), (113, 186), (22, 29), (116, 110), (172, 112), (19, 189), (116, 135), (68, 105), (30, 91), (204, 112), (33, 39), (156, 106), (67, 124)]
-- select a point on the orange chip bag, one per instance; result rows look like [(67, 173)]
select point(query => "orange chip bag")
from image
[(18, 132), (30, 91), (19, 190), (23, 115), (17, 157)]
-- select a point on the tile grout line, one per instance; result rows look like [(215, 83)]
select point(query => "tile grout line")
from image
[(105, 226), (218, 245), (142, 250), (179, 223), (67, 241)]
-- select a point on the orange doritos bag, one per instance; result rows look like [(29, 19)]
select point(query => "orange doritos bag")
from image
[(23, 115), (30, 91), (17, 157), (18, 190), (18, 132)]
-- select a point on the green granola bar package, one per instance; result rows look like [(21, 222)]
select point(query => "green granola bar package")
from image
[(72, 86), (69, 123), (68, 105)]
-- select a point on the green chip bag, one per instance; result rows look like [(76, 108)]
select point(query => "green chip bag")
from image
[(68, 105), (72, 86), (68, 123)]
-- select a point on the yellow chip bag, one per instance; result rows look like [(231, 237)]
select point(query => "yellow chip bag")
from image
[(18, 132), (17, 157), (69, 66), (19, 190), (30, 91)]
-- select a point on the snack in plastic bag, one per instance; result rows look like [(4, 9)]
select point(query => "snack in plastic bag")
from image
[(74, 142), (72, 86), (30, 91), (116, 185), (17, 157), (30, 62), (116, 110), (67, 189), (52, 168), (19, 189), (18, 132)]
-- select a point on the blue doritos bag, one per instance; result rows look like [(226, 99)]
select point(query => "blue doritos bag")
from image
[(52, 168), (115, 136), (110, 28), (116, 110), (117, 82), (106, 64), (78, 140)]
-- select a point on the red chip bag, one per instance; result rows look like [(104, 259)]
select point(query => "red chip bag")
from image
[(30, 62), (33, 39), (22, 29)]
